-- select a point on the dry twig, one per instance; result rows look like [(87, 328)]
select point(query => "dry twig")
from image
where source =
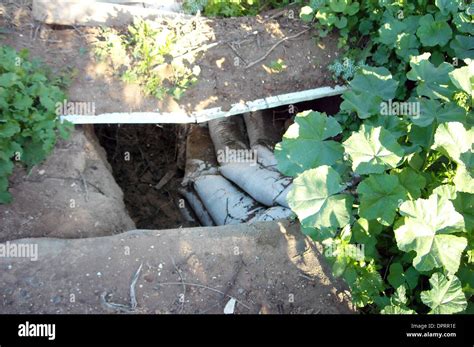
[(275, 46)]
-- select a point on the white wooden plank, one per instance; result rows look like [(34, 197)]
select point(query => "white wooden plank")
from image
[(205, 115)]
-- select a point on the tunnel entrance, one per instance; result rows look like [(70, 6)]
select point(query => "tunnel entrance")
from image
[(149, 162)]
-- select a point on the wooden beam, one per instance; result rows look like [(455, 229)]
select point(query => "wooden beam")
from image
[(205, 115)]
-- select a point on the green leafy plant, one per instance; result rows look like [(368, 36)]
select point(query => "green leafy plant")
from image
[(344, 68), (144, 55), (276, 66), (29, 125), (399, 183)]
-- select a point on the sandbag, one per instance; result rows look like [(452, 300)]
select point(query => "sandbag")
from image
[(266, 186), (197, 206), (272, 213), (228, 134), (200, 155), (265, 157), (225, 203)]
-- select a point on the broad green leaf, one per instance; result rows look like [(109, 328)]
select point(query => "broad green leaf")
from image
[(380, 196), (8, 79), (412, 181), (22, 102), (425, 230), (375, 81), (364, 104), (6, 167), (305, 143), (447, 191), (407, 46), (432, 33), (464, 180), (466, 276), (453, 139), (373, 150), (463, 23), (284, 164), (326, 16), (338, 5), (306, 14), (352, 9), (365, 232), (463, 46), (411, 277), (445, 295), (395, 125), (422, 136), (394, 309), (432, 82), (315, 198), (397, 276), (5, 198), (448, 6), (316, 234), (381, 55), (9, 129), (464, 204), (433, 110), (389, 31), (463, 78)]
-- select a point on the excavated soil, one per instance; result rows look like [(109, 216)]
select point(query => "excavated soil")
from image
[(72, 194), (221, 82)]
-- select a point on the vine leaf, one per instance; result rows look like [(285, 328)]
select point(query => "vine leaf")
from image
[(373, 150), (426, 229), (463, 46), (364, 104), (433, 111), (398, 276), (453, 140), (464, 204), (315, 198), (463, 77), (433, 82), (395, 309), (365, 232), (375, 81), (448, 6), (305, 144), (390, 30), (412, 181), (380, 196), (407, 46), (445, 295), (433, 32)]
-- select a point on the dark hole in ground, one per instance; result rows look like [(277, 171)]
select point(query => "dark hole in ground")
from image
[(142, 155), (143, 158)]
